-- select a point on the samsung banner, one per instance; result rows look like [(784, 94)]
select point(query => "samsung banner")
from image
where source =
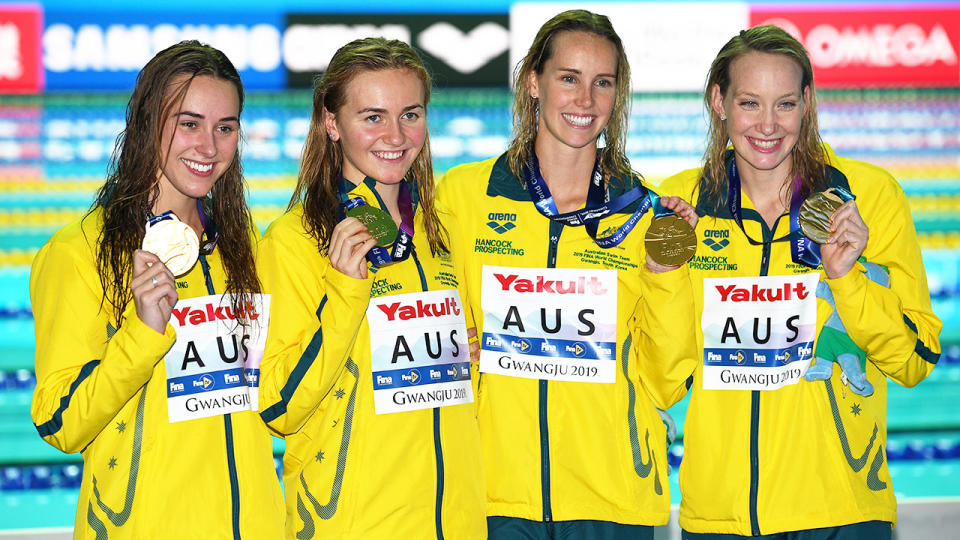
[(106, 52)]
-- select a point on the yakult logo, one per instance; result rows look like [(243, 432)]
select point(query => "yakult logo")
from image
[(208, 313), (554, 286), (419, 310), (786, 292)]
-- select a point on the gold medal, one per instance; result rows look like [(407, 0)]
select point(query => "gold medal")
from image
[(174, 242), (815, 215), (670, 240), (379, 223)]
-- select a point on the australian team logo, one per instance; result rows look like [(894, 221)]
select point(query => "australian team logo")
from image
[(501, 222)]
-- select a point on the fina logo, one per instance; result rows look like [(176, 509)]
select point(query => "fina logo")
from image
[(501, 222), (715, 245)]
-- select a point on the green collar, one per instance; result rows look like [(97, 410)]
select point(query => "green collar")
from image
[(370, 192), (503, 183), (707, 206)]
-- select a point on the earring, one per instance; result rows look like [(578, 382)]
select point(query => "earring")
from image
[(723, 117), (332, 136)]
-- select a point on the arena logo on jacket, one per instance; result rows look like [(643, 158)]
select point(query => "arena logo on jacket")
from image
[(419, 354), (758, 332), (715, 260), (501, 223), (716, 239), (549, 323), (213, 367)]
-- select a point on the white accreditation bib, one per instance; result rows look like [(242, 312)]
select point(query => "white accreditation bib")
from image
[(418, 351), (758, 332), (556, 324), (214, 366)]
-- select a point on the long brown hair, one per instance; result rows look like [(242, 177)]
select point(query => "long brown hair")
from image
[(613, 157), (318, 183), (131, 188), (808, 158)]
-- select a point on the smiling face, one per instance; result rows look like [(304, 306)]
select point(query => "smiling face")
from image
[(576, 91), (764, 107), (381, 126), (199, 140)]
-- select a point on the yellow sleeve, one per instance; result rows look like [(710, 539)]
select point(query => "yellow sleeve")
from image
[(459, 245), (85, 371), (896, 327), (664, 334), (315, 315)]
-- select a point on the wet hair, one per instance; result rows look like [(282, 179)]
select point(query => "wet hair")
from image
[(131, 188), (808, 157), (525, 108), (318, 183)]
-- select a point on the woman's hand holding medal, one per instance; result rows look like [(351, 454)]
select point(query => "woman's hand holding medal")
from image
[(831, 219), (349, 244), (848, 238), (154, 290), (682, 210)]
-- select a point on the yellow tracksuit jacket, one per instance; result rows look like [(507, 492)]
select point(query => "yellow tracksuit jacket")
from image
[(102, 392), (349, 472), (559, 450), (812, 454)]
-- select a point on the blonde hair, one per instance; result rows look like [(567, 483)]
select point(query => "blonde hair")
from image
[(808, 158), (131, 187), (318, 183), (525, 108)]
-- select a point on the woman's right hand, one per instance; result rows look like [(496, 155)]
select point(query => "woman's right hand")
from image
[(154, 290), (349, 245)]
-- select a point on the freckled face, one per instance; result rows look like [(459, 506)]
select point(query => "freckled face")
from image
[(382, 125)]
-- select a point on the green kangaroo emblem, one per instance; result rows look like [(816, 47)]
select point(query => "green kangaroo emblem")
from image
[(120, 518), (326, 511), (642, 468)]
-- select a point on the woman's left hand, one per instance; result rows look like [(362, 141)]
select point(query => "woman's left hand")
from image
[(688, 213), (681, 208), (474, 344), (848, 239)]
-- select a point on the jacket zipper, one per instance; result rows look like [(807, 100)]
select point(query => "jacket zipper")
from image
[(227, 432), (555, 229), (437, 446)]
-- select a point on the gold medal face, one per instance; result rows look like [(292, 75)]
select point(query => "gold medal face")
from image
[(175, 243), (670, 240), (379, 223), (815, 215)]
